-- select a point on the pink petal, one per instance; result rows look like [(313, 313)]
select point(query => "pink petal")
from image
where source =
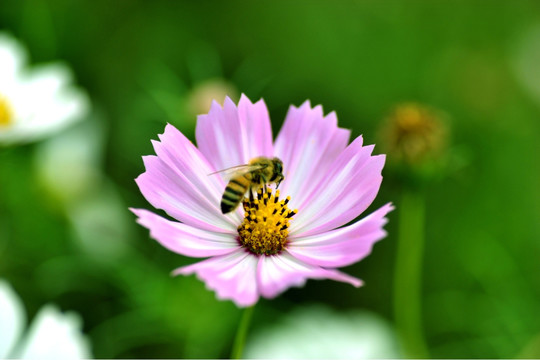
[(343, 246), (308, 144), (277, 273), (232, 136), (184, 239), (231, 276), (349, 187), (177, 181)]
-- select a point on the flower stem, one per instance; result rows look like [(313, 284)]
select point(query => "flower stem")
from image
[(408, 275), (240, 338)]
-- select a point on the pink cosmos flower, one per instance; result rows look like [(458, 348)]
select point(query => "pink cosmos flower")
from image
[(260, 249)]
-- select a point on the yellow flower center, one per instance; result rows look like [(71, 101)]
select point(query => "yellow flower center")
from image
[(6, 113), (266, 223)]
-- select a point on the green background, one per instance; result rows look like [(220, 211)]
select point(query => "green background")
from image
[(139, 62)]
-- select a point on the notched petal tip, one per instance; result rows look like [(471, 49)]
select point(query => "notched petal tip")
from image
[(332, 117), (243, 98), (304, 106), (383, 210), (246, 101), (229, 103), (168, 127), (215, 106), (315, 111), (261, 103), (331, 114), (318, 111), (168, 132), (140, 213)]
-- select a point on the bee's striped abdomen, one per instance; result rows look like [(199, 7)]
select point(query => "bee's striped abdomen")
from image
[(234, 192)]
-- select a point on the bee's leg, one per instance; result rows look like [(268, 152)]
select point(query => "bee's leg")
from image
[(251, 198), (263, 185)]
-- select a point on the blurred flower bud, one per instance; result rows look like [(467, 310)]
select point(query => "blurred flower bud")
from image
[(415, 138), (414, 134), (201, 96)]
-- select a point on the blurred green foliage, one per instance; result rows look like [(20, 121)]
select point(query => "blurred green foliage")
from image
[(139, 61)]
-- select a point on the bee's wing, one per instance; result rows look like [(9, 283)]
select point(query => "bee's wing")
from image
[(238, 170)]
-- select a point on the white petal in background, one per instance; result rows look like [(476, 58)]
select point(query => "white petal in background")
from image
[(317, 332), (12, 319), (12, 58), (52, 335)]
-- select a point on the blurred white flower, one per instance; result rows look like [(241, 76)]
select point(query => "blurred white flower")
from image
[(69, 169), (317, 332), (52, 335), (37, 102), (100, 224), (69, 165)]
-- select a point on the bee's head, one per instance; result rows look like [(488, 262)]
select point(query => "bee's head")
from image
[(278, 171)]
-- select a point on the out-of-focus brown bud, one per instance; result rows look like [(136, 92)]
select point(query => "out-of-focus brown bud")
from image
[(201, 96), (414, 135)]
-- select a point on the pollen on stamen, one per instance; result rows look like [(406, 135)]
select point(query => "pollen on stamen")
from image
[(264, 229)]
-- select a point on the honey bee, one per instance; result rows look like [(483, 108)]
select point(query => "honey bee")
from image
[(249, 177)]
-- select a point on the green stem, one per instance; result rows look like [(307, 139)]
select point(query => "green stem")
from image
[(241, 333), (408, 275)]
